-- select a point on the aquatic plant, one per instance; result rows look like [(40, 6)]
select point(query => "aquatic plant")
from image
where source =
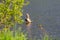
[(11, 12), (46, 37), (12, 35)]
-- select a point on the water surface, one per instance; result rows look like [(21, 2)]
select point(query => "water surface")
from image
[(46, 13)]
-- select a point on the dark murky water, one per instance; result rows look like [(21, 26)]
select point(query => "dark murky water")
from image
[(46, 13)]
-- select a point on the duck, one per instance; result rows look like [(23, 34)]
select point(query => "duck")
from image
[(28, 20)]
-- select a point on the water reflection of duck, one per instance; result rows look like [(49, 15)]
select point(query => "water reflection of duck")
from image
[(28, 20)]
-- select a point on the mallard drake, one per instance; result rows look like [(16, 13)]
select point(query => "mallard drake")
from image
[(28, 20)]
